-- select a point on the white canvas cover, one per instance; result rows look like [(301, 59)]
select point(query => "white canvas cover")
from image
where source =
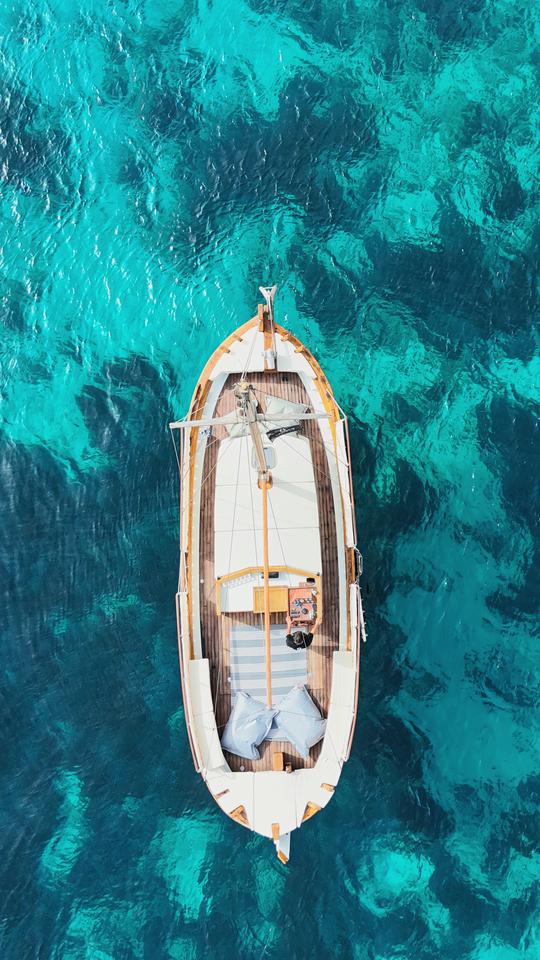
[(293, 516)]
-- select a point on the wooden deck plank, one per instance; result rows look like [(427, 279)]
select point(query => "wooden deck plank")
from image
[(215, 629)]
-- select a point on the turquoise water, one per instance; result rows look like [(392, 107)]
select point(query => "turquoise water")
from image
[(379, 161)]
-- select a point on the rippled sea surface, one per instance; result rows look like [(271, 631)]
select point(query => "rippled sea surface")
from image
[(380, 161)]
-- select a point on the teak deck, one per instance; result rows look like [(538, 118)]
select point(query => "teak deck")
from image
[(215, 629)]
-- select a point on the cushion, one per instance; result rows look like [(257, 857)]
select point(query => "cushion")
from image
[(247, 727), (300, 721), (276, 407)]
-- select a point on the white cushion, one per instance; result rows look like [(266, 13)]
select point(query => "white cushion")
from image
[(247, 727), (299, 720)]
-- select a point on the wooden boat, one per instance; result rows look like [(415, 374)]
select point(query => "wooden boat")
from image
[(266, 509)]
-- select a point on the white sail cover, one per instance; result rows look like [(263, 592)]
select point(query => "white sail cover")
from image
[(294, 541)]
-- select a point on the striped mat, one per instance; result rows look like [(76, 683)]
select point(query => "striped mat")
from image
[(248, 661)]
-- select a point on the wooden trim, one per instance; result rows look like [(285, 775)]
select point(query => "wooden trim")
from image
[(275, 831), (282, 857), (328, 786), (239, 814), (243, 572), (310, 811)]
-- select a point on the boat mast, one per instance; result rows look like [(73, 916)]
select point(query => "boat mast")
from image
[(247, 404)]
